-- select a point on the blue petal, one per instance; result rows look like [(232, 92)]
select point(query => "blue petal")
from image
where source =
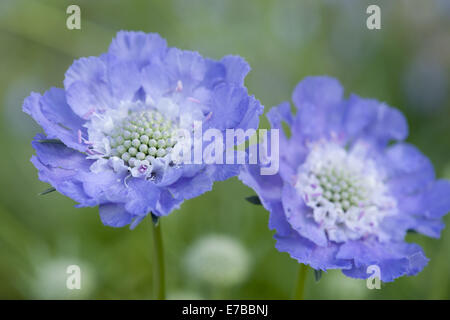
[(87, 87), (167, 203), (114, 215), (279, 114), (395, 259), (251, 117), (319, 104), (428, 227), (229, 105), (124, 80), (156, 81), (374, 122), (268, 188), (86, 98), (142, 197), (106, 186), (61, 167), (277, 219), (321, 91), (408, 170), (426, 208), (98, 83), (230, 69), (138, 47), (58, 155), (304, 251), (296, 214), (87, 70), (236, 69), (221, 172), (187, 66), (54, 115), (187, 188), (437, 199)]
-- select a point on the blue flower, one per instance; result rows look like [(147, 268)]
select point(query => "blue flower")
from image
[(349, 189), (110, 133)]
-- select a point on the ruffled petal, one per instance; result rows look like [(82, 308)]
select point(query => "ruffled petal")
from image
[(85, 99), (229, 105), (318, 100), (394, 259), (142, 197), (277, 219), (105, 186), (87, 86), (373, 122), (186, 66), (436, 199), (156, 82), (230, 69), (297, 215), (408, 170), (54, 115), (95, 84), (236, 69), (250, 118), (138, 47), (304, 251), (191, 187), (321, 91), (267, 187), (114, 215), (425, 209), (61, 167), (124, 80), (87, 70), (167, 203), (56, 154)]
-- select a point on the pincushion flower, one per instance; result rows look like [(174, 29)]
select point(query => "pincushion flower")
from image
[(349, 188), (110, 132)]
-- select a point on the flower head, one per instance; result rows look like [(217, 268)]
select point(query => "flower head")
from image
[(110, 133), (349, 188), (218, 260)]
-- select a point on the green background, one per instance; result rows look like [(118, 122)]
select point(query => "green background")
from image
[(406, 64)]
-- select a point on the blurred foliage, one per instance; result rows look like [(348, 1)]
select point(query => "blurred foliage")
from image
[(406, 64)]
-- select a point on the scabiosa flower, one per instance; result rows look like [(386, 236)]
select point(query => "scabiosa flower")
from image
[(349, 188), (110, 133)]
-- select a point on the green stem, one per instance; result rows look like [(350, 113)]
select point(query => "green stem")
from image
[(301, 280), (158, 262)]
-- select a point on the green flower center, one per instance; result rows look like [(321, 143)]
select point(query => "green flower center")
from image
[(142, 137), (341, 188)]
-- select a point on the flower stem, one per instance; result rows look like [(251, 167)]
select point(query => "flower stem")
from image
[(301, 280), (158, 261)]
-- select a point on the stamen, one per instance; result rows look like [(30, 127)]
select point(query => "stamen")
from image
[(192, 99), (208, 116), (88, 114), (179, 87), (143, 168)]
